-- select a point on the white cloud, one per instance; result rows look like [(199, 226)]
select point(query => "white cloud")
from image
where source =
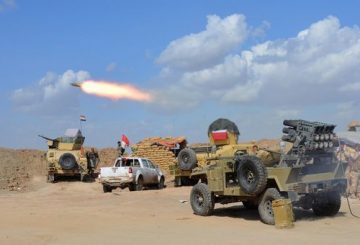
[(7, 4), (51, 95), (317, 66), (260, 31), (207, 47)]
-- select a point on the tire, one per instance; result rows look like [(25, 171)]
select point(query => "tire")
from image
[(140, 184), (202, 200), (265, 205), (132, 187), (51, 178), (67, 161), (251, 174), (161, 183), (187, 159), (87, 178), (177, 182), (250, 205), (326, 203), (107, 188)]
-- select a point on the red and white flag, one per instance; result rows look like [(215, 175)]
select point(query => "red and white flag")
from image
[(220, 134), (124, 141), (82, 118)]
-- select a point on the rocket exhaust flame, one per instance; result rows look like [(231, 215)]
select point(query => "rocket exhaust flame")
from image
[(114, 91)]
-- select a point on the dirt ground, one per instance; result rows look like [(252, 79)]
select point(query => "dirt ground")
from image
[(70, 212)]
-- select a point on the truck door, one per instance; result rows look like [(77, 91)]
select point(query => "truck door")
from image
[(153, 172), (146, 171), (116, 167)]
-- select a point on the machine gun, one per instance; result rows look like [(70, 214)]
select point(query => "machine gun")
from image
[(310, 140), (52, 143), (46, 138)]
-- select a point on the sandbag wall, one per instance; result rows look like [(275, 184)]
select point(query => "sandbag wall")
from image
[(160, 155)]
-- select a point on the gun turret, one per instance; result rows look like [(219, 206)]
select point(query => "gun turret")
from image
[(52, 143), (46, 138), (73, 140), (308, 138)]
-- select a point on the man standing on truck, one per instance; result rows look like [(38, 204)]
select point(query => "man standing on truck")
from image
[(122, 144), (120, 149)]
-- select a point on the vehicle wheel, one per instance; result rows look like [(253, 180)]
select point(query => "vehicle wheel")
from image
[(161, 183), (132, 187), (187, 159), (51, 178), (202, 200), (251, 174), (67, 161), (140, 184), (265, 206), (250, 204), (107, 188), (327, 203), (177, 181)]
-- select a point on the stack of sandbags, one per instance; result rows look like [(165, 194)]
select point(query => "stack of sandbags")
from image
[(161, 151)]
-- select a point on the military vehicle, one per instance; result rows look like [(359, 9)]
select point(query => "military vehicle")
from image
[(309, 174), (66, 156), (223, 136)]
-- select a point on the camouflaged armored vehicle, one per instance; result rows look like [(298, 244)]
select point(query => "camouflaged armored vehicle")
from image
[(66, 156), (309, 174), (223, 136)]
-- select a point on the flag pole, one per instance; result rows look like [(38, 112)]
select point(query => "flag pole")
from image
[(81, 125), (82, 119)]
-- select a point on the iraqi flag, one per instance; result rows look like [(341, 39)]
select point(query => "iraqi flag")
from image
[(219, 134), (82, 118), (124, 141)]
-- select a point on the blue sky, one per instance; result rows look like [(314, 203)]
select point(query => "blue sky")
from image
[(254, 62)]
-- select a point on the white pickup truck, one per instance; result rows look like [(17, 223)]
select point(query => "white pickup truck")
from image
[(131, 172)]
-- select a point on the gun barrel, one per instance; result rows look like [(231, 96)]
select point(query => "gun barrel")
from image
[(46, 138)]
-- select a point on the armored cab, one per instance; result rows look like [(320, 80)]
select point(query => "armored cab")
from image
[(223, 137), (66, 156)]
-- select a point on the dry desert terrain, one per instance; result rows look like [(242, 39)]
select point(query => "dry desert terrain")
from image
[(71, 212)]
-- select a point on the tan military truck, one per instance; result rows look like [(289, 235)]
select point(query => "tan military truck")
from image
[(309, 174), (66, 157), (223, 138)]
